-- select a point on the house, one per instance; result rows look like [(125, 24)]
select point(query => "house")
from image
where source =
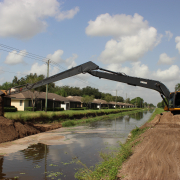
[(75, 101), (100, 103), (23, 100)]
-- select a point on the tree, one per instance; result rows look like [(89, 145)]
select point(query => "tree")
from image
[(33, 78), (161, 104), (145, 104), (177, 87), (138, 102), (87, 100), (91, 91), (127, 100), (120, 99), (108, 98), (6, 86)]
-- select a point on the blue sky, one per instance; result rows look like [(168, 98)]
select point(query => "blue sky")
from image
[(139, 38)]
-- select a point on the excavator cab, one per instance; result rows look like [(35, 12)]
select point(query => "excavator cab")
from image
[(174, 102)]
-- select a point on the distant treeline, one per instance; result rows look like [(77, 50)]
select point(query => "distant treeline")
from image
[(72, 91)]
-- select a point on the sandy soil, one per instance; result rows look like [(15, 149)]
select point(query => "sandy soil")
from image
[(11, 130), (157, 157)]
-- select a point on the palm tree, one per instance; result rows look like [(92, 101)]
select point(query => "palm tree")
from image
[(177, 87)]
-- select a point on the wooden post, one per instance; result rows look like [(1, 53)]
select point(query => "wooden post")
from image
[(1, 106)]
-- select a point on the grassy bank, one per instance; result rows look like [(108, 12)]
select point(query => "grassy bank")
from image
[(112, 162), (70, 114)]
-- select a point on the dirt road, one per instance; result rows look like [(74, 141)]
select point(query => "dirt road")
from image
[(11, 130), (157, 157)]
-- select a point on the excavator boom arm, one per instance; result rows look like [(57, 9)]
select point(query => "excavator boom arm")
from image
[(134, 81), (92, 68)]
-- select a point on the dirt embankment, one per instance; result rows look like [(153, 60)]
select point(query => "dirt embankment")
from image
[(157, 157), (11, 130)]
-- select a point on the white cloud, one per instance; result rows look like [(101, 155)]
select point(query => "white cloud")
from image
[(38, 69), (137, 69), (68, 14), (56, 57), (130, 48), (15, 58), (169, 35), (117, 25), (171, 74), (132, 37), (23, 18), (70, 62), (165, 59), (177, 40)]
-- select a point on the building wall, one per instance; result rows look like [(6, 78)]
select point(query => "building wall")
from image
[(16, 103), (26, 103)]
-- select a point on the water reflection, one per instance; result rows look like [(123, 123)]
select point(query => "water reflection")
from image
[(137, 116), (40, 161), (36, 152)]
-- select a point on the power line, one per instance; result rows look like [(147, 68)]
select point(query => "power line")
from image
[(13, 72), (42, 59)]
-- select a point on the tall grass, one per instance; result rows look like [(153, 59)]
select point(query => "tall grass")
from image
[(28, 115)]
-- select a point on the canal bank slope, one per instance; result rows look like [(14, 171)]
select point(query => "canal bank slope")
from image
[(157, 156)]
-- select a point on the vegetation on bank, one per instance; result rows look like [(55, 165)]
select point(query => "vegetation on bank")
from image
[(61, 115), (68, 123), (157, 111), (112, 161)]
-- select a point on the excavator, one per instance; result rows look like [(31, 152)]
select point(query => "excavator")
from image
[(172, 100)]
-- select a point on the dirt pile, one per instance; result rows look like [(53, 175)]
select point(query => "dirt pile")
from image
[(11, 130), (157, 157)]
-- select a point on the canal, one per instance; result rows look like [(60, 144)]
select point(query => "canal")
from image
[(53, 154)]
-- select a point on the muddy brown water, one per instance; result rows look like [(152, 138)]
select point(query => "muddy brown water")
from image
[(53, 154)]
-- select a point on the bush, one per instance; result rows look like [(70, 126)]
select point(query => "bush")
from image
[(58, 109), (30, 109), (10, 109), (68, 123), (55, 109), (95, 108), (77, 108), (104, 107)]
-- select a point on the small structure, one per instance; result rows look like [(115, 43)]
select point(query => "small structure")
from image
[(75, 101), (100, 103), (23, 100)]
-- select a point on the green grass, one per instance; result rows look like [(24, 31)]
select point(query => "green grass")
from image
[(157, 111), (28, 115), (112, 161)]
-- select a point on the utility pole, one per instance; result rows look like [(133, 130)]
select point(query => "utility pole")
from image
[(47, 85), (126, 100), (116, 98)]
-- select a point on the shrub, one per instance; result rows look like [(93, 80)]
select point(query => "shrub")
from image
[(55, 109), (68, 123), (78, 109), (10, 109), (30, 109), (104, 107), (58, 109)]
